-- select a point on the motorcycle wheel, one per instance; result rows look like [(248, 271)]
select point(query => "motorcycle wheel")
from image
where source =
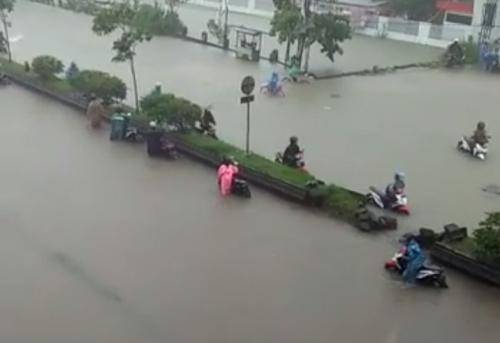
[(441, 282)]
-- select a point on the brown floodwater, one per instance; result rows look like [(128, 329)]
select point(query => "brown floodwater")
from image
[(100, 243)]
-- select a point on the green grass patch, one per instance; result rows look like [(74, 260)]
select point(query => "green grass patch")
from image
[(56, 85), (253, 161)]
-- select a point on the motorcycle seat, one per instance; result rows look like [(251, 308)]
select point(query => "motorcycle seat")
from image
[(431, 266)]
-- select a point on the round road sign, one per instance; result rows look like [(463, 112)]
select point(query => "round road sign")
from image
[(248, 85)]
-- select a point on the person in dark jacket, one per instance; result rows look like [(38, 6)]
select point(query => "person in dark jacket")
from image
[(290, 156), (480, 136)]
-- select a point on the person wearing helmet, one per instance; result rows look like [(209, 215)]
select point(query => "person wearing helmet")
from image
[(290, 156), (395, 187), (455, 51), (480, 136)]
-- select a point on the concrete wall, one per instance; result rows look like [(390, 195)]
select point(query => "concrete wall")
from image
[(384, 27)]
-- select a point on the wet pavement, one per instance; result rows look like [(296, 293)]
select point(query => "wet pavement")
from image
[(100, 244), (356, 131)]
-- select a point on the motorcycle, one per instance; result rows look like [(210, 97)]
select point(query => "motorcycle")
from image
[(379, 199), (479, 151), (452, 60), (299, 160), (240, 188), (276, 90), (4, 80), (427, 275), (122, 130)]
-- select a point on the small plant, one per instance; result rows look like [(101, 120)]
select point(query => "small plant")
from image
[(72, 71), (103, 85), (47, 66), (487, 239)]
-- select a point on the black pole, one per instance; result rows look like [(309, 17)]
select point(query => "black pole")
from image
[(248, 129)]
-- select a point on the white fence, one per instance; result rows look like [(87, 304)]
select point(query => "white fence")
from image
[(375, 26), (414, 32)]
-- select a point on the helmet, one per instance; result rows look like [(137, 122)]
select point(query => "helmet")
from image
[(400, 176), (481, 125), (455, 40), (294, 139), (152, 124)]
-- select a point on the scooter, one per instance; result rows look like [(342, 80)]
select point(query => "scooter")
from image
[(478, 151), (299, 158), (4, 80), (427, 274), (240, 188), (378, 198), (452, 60)]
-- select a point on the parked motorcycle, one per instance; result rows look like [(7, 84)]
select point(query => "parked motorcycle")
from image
[(122, 130), (479, 151), (427, 275), (379, 199)]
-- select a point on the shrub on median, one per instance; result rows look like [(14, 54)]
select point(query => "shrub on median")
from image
[(487, 239), (171, 110), (105, 86), (46, 67)]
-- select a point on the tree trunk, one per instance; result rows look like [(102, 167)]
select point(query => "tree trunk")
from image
[(134, 79), (306, 60), (287, 52), (6, 30)]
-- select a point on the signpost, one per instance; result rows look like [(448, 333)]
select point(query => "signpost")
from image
[(247, 87)]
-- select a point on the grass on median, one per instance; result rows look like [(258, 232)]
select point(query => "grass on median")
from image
[(252, 161), (56, 85)]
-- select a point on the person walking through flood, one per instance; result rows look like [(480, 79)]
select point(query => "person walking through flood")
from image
[(95, 112), (226, 174)]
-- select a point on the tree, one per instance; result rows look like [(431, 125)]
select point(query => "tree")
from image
[(121, 17), (6, 6), (487, 238), (170, 110), (103, 85), (414, 9), (285, 24), (47, 66), (329, 31), (306, 27)]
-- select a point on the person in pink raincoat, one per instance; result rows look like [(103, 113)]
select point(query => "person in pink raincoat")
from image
[(225, 176)]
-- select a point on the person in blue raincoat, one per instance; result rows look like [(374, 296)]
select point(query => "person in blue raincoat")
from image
[(415, 258), (273, 83)]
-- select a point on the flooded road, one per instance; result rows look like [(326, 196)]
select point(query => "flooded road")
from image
[(356, 131), (100, 243)]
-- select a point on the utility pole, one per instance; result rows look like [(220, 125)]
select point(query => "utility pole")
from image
[(225, 6)]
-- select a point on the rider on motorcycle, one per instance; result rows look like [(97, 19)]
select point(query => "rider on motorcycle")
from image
[(396, 187), (455, 51), (415, 260), (290, 156), (479, 136)]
